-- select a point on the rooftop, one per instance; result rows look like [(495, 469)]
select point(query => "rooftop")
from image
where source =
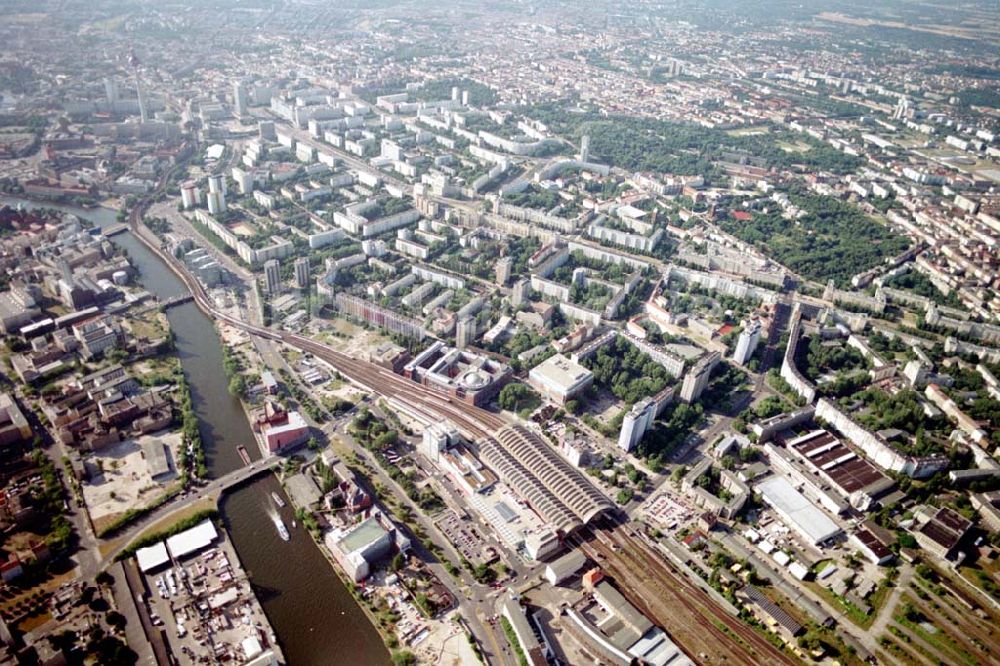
[(364, 534), (793, 507), (560, 371)]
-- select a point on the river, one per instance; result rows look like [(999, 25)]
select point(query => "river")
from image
[(314, 615)]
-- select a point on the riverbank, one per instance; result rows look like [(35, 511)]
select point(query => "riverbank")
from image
[(310, 609)]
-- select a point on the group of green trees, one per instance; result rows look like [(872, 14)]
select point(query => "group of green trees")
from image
[(518, 397), (817, 359), (902, 411), (49, 497), (373, 434), (191, 455), (668, 434), (232, 365), (832, 240), (304, 400), (921, 285), (158, 225), (534, 197), (988, 97), (647, 144), (627, 372)]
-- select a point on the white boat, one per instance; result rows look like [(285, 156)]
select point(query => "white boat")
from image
[(282, 530), (277, 499)]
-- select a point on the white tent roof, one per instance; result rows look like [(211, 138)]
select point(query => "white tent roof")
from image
[(152, 556), (192, 540)]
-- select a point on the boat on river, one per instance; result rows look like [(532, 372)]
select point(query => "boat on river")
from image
[(282, 530)]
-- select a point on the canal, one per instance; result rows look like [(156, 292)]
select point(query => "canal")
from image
[(314, 615)]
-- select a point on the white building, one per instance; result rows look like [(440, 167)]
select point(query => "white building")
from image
[(747, 342), (635, 423), (560, 379), (796, 511), (696, 380)]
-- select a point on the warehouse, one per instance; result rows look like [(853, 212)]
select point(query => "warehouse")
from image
[(796, 511)]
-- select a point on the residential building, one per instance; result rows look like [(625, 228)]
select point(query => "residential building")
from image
[(636, 422), (746, 344), (302, 273), (696, 379), (272, 276)]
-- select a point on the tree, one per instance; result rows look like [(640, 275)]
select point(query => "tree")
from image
[(398, 562), (404, 658), (116, 620)]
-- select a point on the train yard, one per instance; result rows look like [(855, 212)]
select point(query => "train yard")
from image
[(706, 632)]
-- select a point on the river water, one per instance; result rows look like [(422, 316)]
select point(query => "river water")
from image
[(314, 615)]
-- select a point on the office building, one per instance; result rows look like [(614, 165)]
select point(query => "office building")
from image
[(244, 180), (465, 375), (240, 101), (265, 130), (746, 344), (302, 273), (111, 92), (560, 379), (272, 276), (635, 424), (217, 183)]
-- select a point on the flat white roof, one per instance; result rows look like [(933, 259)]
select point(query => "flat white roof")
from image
[(295, 421), (192, 540), (560, 372), (793, 507), (152, 556)]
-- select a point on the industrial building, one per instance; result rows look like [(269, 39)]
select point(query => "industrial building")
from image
[(178, 546), (156, 456), (617, 630), (848, 473), (558, 492), (280, 429), (359, 546), (796, 511)]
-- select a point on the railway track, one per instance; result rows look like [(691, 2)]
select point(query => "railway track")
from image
[(685, 611), (473, 421)]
